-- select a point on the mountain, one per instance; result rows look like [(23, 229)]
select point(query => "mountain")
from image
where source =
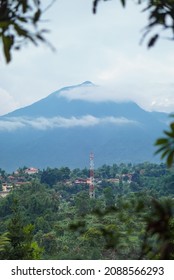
[(63, 128)]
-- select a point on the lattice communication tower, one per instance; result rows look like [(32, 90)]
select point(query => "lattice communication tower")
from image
[(91, 184)]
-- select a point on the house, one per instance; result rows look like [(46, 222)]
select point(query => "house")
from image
[(6, 187), (4, 194), (80, 181), (113, 180), (31, 170)]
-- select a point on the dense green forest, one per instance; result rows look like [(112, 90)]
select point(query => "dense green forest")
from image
[(50, 215)]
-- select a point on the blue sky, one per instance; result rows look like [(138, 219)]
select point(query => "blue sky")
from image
[(103, 48)]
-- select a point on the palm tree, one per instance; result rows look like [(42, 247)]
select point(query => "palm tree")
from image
[(4, 240)]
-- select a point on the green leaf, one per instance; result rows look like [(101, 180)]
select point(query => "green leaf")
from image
[(37, 16), (40, 37), (7, 44), (152, 41), (172, 127), (170, 159), (161, 141), (20, 31), (170, 134), (164, 154), (123, 2), (162, 149), (95, 3)]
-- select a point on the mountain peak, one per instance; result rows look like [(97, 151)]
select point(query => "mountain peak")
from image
[(88, 83)]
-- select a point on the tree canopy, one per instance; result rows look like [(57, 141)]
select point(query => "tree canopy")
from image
[(128, 219)]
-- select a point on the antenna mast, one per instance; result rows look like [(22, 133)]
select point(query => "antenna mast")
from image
[(91, 184)]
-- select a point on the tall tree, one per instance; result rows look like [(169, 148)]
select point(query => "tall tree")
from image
[(21, 245)]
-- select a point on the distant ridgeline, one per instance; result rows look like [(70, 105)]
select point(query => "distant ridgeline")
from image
[(121, 177)]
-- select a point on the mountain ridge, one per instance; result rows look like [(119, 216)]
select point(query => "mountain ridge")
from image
[(57, 131)]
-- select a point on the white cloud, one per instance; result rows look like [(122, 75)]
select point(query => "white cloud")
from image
[(85, 92), (152, 96), (55, 122), (7, 102), (145, 79), (11, 125)]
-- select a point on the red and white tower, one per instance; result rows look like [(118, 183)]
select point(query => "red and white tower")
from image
[(91, 184)]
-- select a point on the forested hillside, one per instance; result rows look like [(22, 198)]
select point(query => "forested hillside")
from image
[(50, 215)]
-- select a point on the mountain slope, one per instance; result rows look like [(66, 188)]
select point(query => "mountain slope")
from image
[(61, 131)]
